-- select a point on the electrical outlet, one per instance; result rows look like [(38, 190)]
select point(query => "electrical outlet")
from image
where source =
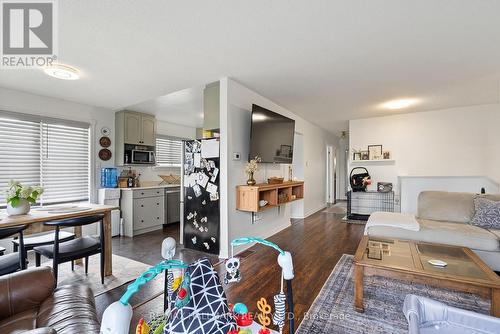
[(257, 217), (236, 156)]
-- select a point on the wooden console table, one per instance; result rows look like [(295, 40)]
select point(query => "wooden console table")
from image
[(248, 197), (407, 260)]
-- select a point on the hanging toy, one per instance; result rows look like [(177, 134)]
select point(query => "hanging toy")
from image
[(279, 311), (233, 274), (265, 310), (242, 316), (183, 295)]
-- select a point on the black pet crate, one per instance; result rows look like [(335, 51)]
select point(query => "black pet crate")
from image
[(361, 204)]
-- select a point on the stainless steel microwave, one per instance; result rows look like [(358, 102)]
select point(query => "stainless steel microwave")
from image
[(143, 157)]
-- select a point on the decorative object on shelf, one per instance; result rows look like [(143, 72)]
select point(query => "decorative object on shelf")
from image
[(105, 131), (263, 203), (19, 198), (356, 156), (170, 179), (290, 173), (387, 155), (105, 142), (384, 187), (374, 152), (251, 167), (365, 155), (104, 154), (275, 180)]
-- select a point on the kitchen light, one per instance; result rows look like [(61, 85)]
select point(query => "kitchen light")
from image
[(63, 72), (398, 104)]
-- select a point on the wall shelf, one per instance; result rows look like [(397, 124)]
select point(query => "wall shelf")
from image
[(248, 197), (381, 161)]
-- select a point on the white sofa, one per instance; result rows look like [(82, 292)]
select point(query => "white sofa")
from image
[(444, 217)]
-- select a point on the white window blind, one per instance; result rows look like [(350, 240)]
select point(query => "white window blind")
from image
[(168, 151), (46, 152)]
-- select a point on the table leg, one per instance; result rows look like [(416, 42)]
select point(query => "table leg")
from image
[(108, 265), (495, 303), (78, 234), (358, 288)]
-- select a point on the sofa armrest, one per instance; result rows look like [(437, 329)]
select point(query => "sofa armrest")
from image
[(44, 330), (25, 290)]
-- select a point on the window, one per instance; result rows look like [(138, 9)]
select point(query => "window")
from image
[(47, 152), (168, 151)]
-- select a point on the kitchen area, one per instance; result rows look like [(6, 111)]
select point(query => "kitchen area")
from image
[(145, 179)]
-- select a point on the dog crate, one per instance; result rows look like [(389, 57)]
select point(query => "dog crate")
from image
[(360, 205)]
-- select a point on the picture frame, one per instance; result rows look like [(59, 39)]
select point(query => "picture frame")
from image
[(365, 155), (387, 155), (375, 152), (356, 156)]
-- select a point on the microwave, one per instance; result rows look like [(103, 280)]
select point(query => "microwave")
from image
[(142, 157)]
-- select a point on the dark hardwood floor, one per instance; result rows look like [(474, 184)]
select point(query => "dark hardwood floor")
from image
[(316, 244)]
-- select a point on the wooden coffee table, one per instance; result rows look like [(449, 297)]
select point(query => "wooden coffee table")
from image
[(407, 260)]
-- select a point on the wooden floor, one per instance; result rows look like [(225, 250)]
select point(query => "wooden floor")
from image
[(316, 244)]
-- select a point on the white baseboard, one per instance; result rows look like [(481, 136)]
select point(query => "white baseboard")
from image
[(313, 211)]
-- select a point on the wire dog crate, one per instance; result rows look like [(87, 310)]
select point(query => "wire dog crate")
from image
[(361, 204)]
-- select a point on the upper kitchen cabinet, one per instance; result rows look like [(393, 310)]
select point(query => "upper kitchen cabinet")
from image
[(211, 106), (135, 138)]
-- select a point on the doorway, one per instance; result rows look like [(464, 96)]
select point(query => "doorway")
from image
[(331, 175)]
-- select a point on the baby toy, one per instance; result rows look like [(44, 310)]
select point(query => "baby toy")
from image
[(265, 310), (232, 270)]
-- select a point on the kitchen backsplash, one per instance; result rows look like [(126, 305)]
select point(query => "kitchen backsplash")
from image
[(149, 175)]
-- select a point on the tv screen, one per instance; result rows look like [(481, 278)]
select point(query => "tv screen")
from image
[(271, 136)]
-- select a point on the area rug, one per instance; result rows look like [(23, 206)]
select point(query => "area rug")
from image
[(332, 312), (124, 271)]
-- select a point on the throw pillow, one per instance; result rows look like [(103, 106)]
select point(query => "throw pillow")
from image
[(487, 213)]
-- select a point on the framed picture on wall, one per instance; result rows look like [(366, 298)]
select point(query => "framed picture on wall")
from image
[(374, 152), (356, 156), (365, 155)]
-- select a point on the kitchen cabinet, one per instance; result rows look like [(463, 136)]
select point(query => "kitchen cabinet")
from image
[(133, 128), (143, 210)]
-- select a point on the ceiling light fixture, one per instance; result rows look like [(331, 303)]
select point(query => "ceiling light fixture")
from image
[(398, 104), (63, 72)]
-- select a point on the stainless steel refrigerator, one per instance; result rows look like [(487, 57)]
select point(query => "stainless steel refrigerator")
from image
[(200, 204)]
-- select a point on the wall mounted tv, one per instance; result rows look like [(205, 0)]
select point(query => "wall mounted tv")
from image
[(271, 136)]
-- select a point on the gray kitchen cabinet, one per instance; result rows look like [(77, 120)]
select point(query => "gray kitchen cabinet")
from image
[(133, 128), (142, 210)]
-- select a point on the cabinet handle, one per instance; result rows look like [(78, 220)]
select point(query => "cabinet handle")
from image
[(157, 217), (142, 193), (142, 221), (157, 203), (142, 205)]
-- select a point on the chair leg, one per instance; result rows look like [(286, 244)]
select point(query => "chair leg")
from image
[(86, 265), (55, 269), (15, 248), (38, 259), (72, 265), (102, 266)]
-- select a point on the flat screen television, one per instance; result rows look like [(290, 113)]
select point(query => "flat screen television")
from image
[(271, 136)]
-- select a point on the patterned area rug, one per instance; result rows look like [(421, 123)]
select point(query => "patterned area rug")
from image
[(332, 312)]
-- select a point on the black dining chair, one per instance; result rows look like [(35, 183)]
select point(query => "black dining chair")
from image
[(75, 249), (13, 262)]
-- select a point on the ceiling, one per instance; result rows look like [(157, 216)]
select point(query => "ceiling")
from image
[(328, 61), (183, 107)]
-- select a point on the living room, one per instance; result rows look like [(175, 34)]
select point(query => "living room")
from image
[(250, 167)]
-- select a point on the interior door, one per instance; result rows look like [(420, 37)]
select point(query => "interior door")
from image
[(148, 131), (132, 128)]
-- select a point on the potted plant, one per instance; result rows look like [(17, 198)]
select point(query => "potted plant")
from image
[(20, 198), (251, 167)]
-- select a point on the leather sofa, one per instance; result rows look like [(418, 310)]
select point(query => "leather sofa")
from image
[(444, 218), (30, 304)]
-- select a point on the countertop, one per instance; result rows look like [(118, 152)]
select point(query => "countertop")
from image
[(152, 187)]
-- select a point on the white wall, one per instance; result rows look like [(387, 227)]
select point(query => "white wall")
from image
[(236, 106), (449, 142)]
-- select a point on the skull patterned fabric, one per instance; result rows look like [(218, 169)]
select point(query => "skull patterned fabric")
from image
[(207, 311)]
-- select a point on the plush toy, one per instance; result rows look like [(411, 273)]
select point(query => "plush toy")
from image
[(232, 270)]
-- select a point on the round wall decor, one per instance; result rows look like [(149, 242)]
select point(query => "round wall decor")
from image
[(104, 154), (105, 141), (105, 131)]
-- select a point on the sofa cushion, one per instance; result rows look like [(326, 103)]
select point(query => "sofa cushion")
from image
[(448, 233), (487, 213), (446, 206)]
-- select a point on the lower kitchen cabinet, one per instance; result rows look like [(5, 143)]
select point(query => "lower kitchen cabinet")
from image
[(142, 210)]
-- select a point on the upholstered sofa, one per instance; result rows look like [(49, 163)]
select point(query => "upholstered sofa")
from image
[(30, 304), (444, 217)]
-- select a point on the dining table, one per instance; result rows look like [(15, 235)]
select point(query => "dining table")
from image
[(37, 216)]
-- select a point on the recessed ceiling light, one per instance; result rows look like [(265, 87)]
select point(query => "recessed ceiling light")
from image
[(398, 104), (63, 72)]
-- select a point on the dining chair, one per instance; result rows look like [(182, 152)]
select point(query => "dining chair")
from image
[(83, 247), (41, 239), (13, 262)]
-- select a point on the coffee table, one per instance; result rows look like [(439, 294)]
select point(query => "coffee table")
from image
[(408, 260)]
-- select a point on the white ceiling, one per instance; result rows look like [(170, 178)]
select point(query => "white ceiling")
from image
[(326, 60), (183, 107)]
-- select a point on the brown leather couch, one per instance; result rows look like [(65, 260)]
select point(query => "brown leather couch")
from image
[(30, 304)]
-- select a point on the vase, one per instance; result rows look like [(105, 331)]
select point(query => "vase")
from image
[(251, 180), (22, 208)]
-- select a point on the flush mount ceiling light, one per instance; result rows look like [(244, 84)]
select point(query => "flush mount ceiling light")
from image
[(399, 104), (63, 72)]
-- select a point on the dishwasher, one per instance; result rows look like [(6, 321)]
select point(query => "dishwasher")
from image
[(172, 204)]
